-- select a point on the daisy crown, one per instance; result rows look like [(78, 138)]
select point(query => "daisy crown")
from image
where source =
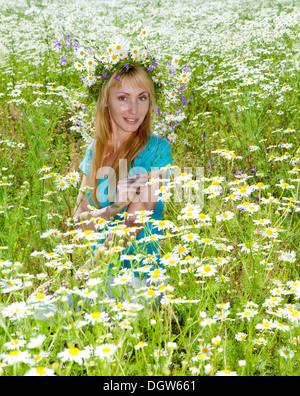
[(164, 70)]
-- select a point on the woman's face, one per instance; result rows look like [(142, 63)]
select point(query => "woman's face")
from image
[(128, 106)]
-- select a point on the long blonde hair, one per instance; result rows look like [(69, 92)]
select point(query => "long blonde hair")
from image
[(104, 134)]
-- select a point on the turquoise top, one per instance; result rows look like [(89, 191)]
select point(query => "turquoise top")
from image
[(156, 155)]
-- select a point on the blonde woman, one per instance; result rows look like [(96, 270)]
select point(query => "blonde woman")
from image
[(123, 157), (118, 162)]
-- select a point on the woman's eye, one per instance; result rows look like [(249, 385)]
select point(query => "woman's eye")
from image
[(122, 98), (143, 97)]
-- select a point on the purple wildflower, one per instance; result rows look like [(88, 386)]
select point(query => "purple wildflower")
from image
[(183, 101), (63, 61), (58, 45), (127, 66), (69, 43), (118, 78), (155, 64)]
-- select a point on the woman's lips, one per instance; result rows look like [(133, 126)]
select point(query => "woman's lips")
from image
[(131, 121)]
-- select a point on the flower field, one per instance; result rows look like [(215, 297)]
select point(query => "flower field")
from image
[(230, 291)]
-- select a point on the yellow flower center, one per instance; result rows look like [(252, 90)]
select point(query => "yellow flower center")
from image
[(41, 371), (14, 353), (74, 351), (155, 274)]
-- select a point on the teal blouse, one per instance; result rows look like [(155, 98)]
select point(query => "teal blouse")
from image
[(156, 155)]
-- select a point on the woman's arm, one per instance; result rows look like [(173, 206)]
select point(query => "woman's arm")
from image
[(125, 194), (146, 200), (82, 212)]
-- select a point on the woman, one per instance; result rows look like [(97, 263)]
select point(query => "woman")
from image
[(124, 145), (123, 118)]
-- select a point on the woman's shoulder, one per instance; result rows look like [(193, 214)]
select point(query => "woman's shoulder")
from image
[(88, 147), (158, 140), (154, 143)]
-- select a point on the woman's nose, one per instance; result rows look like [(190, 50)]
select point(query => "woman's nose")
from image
[(133, 107)]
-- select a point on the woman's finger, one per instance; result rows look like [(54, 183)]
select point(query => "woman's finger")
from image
[(141, 180), (134, 178)]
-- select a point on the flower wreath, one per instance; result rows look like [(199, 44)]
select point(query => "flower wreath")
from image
[(103, 73), (168, 76)]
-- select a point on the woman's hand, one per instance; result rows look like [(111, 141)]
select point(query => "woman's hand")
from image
[(129, 187)]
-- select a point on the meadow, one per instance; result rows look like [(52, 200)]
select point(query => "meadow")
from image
[(231, 286)]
